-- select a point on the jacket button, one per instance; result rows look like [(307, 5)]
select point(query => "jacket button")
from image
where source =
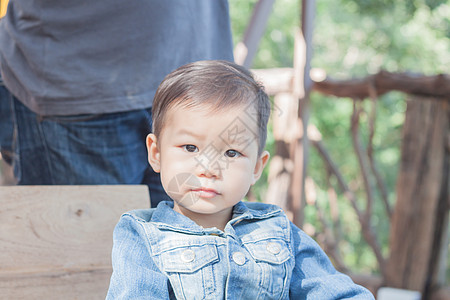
[(273, 247), (239, 258), (188, 255)]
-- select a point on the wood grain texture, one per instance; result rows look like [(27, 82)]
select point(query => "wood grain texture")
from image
[(90, 285), (57, 240), (422, 187)]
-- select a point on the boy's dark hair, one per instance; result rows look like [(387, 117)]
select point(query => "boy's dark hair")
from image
[(221, 84)]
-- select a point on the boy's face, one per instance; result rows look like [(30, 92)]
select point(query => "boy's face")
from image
[(207, 160)]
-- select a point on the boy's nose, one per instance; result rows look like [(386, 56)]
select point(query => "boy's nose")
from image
[(209, 170)]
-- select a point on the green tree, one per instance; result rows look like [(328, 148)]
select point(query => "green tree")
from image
[(354, 38)]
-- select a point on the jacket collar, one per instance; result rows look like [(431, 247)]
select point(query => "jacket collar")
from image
[(178, 222)]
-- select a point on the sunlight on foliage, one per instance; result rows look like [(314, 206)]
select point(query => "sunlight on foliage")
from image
[(354, 38)]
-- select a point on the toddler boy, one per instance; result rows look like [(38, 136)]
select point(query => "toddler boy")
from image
[(210, 124)]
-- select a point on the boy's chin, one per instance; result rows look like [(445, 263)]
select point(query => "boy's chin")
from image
[(187, 200)]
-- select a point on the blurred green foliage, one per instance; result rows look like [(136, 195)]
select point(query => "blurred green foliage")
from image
[(355, 38)]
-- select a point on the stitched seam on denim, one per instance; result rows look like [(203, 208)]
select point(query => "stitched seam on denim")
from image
[(227, 253), (148, 240), (289, 236), (17, 165), (171, 247), (210, 289), (71, 118), (181, 285), (44, 142), (208, 258), (249, 216), (163, 226), (287, 280)]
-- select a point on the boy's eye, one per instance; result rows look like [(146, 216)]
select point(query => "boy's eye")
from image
[(232, 153), (190, 148)]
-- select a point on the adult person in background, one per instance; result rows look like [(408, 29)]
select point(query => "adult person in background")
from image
[(83, 75)]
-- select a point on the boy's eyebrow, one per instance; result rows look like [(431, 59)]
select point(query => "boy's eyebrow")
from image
[(184, 131)]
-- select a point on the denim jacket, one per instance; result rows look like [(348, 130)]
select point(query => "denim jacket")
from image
[(161, 254)]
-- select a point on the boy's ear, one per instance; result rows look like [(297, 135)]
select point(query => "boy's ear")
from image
[(260, 164), (154, 157)]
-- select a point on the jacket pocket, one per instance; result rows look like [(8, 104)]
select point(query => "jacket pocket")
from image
[(272, 257), (191, 270), (189, 259)]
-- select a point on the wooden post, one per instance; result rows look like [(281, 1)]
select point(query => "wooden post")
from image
[(420, 217), (245, 51), (281, 166), (302, 87)]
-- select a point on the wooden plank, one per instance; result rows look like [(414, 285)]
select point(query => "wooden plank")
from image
[(60, 235), (79, 285), (275, 80), (280, 80)]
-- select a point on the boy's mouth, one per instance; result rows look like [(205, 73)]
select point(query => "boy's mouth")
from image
[(205, 192)]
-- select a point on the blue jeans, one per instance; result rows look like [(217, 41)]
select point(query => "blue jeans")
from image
[(6, 123), (83, 149)]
